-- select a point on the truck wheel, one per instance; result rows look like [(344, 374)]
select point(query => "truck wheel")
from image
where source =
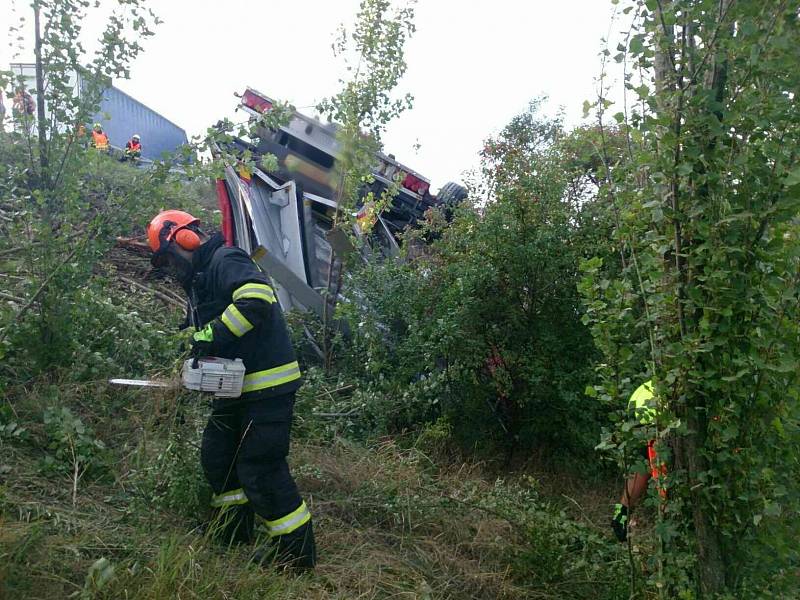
[(451, 194)]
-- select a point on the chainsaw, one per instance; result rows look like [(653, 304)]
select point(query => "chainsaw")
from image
[(222, 377)]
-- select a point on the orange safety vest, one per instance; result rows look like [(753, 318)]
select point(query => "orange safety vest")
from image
[(23, 103), (100, 140), (134, 146)]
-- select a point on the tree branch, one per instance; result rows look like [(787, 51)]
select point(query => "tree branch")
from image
[(21, 312)]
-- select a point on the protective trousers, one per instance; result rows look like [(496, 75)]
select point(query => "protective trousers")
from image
[(243, 454)]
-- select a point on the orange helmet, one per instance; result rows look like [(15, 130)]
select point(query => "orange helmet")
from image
[(172, 226)]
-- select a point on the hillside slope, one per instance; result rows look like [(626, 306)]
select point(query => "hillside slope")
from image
[(101, 492)]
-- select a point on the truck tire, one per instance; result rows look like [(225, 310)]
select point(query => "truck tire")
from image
[(451, 194)]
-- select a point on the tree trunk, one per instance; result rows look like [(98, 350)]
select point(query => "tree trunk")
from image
[(671, 86), (711, 566), (44, 166)]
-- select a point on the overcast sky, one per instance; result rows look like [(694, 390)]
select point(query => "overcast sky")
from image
[(471, 65)]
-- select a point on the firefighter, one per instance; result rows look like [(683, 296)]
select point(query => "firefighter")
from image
[(2, 113), (99, 138), (133, 148), (642, 403), (22, 109), (246, 440)]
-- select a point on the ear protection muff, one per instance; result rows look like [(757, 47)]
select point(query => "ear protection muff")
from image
[(186, 239)]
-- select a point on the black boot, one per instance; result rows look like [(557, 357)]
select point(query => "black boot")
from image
[(296, 549), (619, 522)]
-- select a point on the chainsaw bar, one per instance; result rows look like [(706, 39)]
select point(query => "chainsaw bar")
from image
[(141, 383)]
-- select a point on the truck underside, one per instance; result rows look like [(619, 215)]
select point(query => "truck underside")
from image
[(284, 219)]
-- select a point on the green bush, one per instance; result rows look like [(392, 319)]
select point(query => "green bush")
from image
[(73, 447), (10, 428), (706, 302), (55, 252), (114, 337), (483, 326), (169, 477), (101, 337), (556, 550)]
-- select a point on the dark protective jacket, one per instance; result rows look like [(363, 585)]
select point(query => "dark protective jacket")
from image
[(238, 307)]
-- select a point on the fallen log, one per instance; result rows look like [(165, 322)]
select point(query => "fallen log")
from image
[(134, 244), (156, 293), (11, 297)]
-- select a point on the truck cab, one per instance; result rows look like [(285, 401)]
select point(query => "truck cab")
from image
[(284, 217), (307, 150)]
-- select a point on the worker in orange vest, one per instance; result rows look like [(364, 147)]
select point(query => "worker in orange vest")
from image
[(23, 109), (2, 114), (133, 149), (99, 138), (79, 135)]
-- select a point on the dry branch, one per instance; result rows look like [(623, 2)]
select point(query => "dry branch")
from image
[(133, 244), (8, 251), (11, 297), (21, 312), (156, 293)]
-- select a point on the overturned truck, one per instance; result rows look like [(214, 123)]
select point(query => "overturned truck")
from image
[(284, 218)]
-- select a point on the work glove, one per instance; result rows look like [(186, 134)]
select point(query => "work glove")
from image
[(619, 522), (203, 342)]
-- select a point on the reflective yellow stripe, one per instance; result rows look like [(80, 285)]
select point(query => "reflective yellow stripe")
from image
[(260, 291), (290, 522), (261, 380), (229, 498), (235, 321)]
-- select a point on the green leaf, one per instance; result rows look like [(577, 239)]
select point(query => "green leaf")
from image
[(636, 45), (730, 433), (792, 178), (99, 574)]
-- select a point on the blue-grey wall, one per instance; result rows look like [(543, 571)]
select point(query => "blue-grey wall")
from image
[(129, 116)]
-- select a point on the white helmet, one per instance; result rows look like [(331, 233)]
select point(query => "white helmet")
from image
[(136, 136)]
